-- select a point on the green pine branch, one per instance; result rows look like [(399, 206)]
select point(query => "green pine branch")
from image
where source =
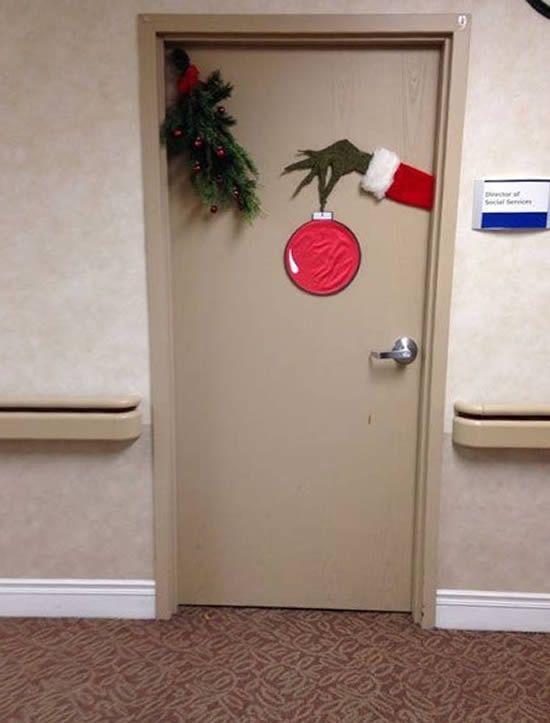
[(222, 172)]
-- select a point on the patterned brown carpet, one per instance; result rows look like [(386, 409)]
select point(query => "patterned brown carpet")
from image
[(218, 665)]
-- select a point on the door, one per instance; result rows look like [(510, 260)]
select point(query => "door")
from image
[(296, 450)]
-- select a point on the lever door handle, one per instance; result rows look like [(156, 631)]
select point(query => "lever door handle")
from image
[(404, 351)]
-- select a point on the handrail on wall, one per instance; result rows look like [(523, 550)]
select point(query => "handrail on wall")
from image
[(77, 418), (502, 425)]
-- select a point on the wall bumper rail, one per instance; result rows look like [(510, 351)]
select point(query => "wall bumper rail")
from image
[(501, 425), (79, 418)]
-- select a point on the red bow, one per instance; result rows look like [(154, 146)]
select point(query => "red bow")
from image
[(188, 80)]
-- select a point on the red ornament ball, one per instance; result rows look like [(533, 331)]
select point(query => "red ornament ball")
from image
[(220, 152), (219, 180), (221, 109), (177, 132), (196, 167), (213, 209), (322, 257), (198, 143)]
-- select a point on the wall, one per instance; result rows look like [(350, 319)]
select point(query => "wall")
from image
[(74, 318), (493, 533)]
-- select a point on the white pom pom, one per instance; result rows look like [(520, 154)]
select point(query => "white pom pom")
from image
[(381, 172)]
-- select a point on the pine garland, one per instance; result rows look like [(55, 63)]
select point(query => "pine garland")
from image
[(197, 125)]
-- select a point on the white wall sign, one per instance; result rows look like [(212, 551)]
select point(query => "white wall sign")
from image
[(501, 204)]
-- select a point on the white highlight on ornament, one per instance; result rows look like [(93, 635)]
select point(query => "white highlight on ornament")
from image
[(293, 265), (381, 172)]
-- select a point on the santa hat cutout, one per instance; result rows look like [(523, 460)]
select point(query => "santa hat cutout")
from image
[(387, 177)]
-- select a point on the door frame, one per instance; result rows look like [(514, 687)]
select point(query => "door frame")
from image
[(449, 33)]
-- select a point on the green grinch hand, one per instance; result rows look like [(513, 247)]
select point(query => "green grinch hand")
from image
[(340, 158)]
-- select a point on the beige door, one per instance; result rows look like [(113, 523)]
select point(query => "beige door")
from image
[(296, 452)]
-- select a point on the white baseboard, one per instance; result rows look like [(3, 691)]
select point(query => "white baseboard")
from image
[(484, 610), (135, 599), (49, 598)]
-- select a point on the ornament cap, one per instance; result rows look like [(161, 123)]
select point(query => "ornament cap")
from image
[(322, 216)]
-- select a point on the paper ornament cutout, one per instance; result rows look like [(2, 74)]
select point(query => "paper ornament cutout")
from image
[(322, 256)]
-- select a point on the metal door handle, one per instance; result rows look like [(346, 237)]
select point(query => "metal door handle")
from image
[(404, 351)]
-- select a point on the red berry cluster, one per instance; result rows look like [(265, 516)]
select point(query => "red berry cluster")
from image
[(220, 152), (198, 143)]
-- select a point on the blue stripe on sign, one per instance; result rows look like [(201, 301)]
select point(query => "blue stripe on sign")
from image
[(514, 220)]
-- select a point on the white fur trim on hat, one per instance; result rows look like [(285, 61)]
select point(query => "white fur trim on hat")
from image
[(381, 172)]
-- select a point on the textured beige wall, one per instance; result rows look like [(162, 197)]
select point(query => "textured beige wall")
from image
[(73, 318), (494, 533), (499, 345), (494, 520), (76, 509)]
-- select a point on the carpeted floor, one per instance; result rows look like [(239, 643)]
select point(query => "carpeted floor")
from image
[(217, 665)]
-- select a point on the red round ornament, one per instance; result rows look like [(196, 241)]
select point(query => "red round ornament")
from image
[(177, 132), (322, 256), (220, 152)]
